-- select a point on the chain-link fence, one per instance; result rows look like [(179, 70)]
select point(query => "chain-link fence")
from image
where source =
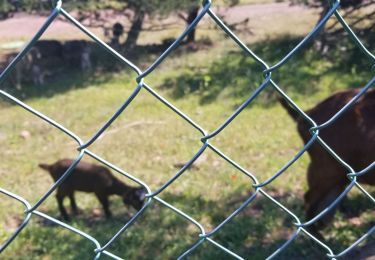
[(152, 196)]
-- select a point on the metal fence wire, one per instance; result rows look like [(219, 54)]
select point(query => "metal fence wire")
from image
[(152, 196)]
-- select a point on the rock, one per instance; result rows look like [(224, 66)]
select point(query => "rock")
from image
[(25, 134)]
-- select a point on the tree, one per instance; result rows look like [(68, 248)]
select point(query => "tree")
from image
[(359, 14), (192, 8), (88, 11)]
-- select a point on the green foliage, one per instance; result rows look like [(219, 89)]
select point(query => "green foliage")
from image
[(83, 5), (95, 5), (5, 6), (318, 3), (147, 6)]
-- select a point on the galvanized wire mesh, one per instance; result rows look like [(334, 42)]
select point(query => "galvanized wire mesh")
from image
[(152, 197)]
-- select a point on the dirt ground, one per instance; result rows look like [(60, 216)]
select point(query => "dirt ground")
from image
[(23, 26)]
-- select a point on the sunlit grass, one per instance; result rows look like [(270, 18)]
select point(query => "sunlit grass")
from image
[(150, 141)]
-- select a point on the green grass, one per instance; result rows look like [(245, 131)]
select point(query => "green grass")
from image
[(148, 139)]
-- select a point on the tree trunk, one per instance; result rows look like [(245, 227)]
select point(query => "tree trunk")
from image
[(193, 13), (321, 37), (134, 31)]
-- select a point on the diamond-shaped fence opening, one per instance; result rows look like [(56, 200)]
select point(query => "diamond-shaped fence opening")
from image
[(206, 237), (138, 131), (352, 222)]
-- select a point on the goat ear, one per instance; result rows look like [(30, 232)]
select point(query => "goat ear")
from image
[(141, 194), (44, 166)]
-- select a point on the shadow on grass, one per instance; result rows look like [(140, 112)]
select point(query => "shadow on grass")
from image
[(303, 75), (62, 83), (60, 68), (354, 206), (65, 75), (258, 231)]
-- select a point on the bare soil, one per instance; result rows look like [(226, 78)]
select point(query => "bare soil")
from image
[(24, 26)]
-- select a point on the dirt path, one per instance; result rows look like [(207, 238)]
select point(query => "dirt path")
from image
[(271, 20), (256, 11), (23, 26)]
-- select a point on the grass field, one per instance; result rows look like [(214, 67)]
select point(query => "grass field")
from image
[(148, 139)]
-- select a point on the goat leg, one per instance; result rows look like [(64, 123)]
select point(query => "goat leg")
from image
[(103, 199), (73, 204), (60, 200)]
